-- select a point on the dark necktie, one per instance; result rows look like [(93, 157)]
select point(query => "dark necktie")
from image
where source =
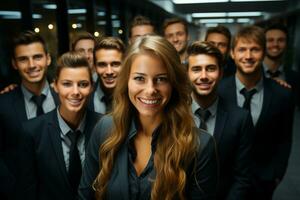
[(38, 100), (274, 74), (248, 96), (203, 116), (75, 168)]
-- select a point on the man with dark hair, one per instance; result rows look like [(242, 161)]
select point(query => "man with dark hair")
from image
[(230, 125), (220, 36), (271, 107), (84, 44), (34, 96), (140, 26), (175, 31), (108, 55), (274, 62)]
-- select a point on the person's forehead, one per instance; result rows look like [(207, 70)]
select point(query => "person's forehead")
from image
[(175, 27), (217, 36), (82, 43), (36, 47), (275, 32)]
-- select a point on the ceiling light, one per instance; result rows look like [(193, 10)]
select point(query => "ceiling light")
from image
[(220, 20), (244, 14), (50, 6), (243, 20), (212, 14), (198, 1), (77, 11)]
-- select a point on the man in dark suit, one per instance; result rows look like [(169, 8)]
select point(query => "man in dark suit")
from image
[(275, 65), (33, 97), (271, 107), (230, 125), (108, 55)]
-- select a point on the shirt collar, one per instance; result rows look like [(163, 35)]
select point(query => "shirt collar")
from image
[(28, 95), (266, 68), (64, 127), (212, 108), (240, 85)]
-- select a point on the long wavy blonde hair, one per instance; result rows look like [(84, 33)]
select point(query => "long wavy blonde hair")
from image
[(177, 143)]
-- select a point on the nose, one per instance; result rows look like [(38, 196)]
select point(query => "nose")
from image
[(31, 62), (248, 54), (75, 89), (151, 88), (203, 74), (109, 69)]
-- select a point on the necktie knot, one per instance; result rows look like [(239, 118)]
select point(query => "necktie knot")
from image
[(248, 96), (38, 100), (203, 115), (273, 74)]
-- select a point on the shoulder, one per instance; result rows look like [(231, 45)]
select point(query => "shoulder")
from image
[(102, 128), (8, 96), (38, 123), (280, 91)]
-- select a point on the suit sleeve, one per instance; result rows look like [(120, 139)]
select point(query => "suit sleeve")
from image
[(204, 178), (280, 161), (91, 166), (242, 165), (28, 179)]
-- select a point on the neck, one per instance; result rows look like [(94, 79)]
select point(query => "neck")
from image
[(205, 101), (107, 91), (273, 64), (249, 80), (148, 125), (72, 119), (34, 88), (183, 56)]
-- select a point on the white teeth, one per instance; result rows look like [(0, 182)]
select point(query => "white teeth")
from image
[(150, 102), (74, 101)]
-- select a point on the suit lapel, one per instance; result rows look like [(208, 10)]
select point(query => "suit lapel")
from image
[(220, 121), (91, 120), (266, 102), (54, 134), (19, 105)]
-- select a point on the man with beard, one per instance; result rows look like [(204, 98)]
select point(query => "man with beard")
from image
[(176, 32), (271, 107), (108, 54), (230, 125)]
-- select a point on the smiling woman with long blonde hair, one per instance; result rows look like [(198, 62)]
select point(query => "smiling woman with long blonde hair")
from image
[(149, 147)]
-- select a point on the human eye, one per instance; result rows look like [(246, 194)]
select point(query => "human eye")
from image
[(66, 83), (83, 84), (21, 59), (115, 64), (101, 64), (211, 68), (38, 57), (138, 78), (241, 50), (196, 69), (161, 79)]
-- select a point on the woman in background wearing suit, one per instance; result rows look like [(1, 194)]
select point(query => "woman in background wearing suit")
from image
[(149, 147), (54, 144)]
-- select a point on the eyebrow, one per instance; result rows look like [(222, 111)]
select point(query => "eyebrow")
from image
[(143, 74)]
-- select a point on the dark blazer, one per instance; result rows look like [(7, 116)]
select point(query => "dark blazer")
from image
[(233, 133), (12, 114), (44, 175), (206, 171), (273, 131)]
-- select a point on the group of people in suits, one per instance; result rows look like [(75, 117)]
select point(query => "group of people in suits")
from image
[(174, 127)]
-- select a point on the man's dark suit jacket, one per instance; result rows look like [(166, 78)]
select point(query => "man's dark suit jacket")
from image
[(44, 174), (12, 114), (233, 133), (273, 131)]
